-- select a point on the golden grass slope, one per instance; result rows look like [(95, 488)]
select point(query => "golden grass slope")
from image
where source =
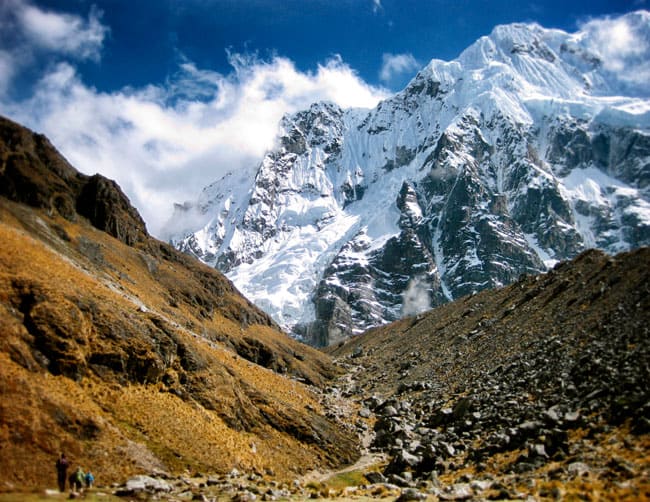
[(131, 360)]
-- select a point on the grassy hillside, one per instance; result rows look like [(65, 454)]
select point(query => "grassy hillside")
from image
[(130, 356)]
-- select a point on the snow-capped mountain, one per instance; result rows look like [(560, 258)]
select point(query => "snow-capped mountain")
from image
[(524, 151)]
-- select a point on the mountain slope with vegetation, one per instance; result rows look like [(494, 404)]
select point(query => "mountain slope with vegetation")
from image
[(130, 356)]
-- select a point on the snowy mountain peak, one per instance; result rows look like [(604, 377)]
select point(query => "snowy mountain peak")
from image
[(527, 149)]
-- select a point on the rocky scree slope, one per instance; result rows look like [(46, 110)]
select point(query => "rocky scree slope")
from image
[(524, 151), (539, 388), (131, 356)]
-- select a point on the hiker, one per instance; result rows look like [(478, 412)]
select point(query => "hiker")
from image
[(77, 480), (90, 479), (61, 471), (72, 480)]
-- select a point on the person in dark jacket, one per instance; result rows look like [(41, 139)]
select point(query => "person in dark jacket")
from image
[(61, 471)]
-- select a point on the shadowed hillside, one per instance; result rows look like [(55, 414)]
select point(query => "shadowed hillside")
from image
[(539, 388), (130, 356)]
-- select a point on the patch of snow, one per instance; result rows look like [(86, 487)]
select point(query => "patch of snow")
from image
[(547, 258)]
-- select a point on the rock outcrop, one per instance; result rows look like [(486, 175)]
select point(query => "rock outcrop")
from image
[(34, 173)]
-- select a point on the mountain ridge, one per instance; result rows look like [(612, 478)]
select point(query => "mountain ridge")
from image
[(56, 186), (130, 356), (510, 158)]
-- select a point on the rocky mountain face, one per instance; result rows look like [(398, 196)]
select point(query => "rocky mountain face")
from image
[(524, 151), (34, 173), (130, 356), (538, 389)]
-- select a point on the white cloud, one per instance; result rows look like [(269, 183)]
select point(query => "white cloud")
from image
[(376, 6), (396, 65), (163, 144), (33, 37), (623, 46), (64, 33)]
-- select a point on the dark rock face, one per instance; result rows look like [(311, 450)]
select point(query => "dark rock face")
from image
[(34, 173), (353, 294), (475, 235), (102, 201)]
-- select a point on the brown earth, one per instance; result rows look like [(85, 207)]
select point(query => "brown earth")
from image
[(129, 356)]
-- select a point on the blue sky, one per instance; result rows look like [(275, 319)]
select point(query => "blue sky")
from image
[(166, 95), (145, 40)]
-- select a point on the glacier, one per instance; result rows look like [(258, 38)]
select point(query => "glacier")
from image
[(524, 151)]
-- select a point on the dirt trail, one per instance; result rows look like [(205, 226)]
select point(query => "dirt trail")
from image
[(348, 407), (365, 463)]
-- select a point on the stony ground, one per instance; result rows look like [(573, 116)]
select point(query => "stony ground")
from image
[(539, 389)]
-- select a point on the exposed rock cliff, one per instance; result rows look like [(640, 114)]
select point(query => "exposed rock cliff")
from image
[(523, 152)]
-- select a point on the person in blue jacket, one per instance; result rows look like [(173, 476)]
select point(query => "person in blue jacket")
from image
[(90, 479)]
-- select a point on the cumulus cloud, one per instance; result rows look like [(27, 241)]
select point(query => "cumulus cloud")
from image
[(623, 45), (164, 143), (31, 37), (376, 6), (396, 65), (66, 33)]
